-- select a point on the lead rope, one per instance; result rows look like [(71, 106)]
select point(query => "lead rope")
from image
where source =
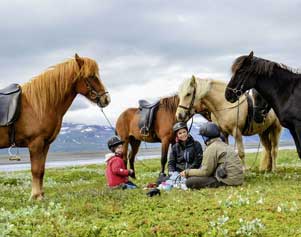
[(237, 115), (114, 130), (190, 124), (107, 119)]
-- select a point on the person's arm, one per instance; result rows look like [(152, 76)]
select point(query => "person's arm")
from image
[(208, 166), (172, 160), (198, 155), (118, 170)]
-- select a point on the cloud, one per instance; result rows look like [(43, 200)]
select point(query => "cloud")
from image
[(143, 45)]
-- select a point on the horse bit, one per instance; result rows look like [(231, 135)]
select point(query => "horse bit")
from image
[(94, 95)]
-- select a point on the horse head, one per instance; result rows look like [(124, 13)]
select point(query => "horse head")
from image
[(187, 100), (242, 78), (88, 82)]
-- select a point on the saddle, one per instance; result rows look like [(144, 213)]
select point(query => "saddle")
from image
[(257, 110), (261, 107), (10, 104), (147, 116)]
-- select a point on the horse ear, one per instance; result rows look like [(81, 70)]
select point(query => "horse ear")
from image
[(192, 81), (79, 60), (251, 55)]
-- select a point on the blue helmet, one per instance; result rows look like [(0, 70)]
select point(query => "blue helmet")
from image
[(208, 131)]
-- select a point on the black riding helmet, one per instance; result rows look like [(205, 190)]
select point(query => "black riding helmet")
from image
[(209, 130), (113, 142), (179, 126)]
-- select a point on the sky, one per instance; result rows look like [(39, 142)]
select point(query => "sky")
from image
[(145, 49)]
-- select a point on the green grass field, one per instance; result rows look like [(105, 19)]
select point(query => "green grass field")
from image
[(78, 203)]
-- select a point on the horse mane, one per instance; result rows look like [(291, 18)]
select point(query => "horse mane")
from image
[(260, 66), (50, 87), (170, 103)]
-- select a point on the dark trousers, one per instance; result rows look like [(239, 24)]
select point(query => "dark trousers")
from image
[(195, 182)]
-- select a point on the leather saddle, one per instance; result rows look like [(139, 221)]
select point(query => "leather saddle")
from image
[(261, 107), (258, 109), (10, 103), (147, 116)]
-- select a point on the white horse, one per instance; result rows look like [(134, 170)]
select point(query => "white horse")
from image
[(230, 118)]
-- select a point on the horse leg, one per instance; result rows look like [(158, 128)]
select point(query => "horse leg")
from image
[(297, 129), (164, 152), (135, 144), (38, 153), (274, 138), (265, 163), (240, 147), (125, 151), (296, 139)]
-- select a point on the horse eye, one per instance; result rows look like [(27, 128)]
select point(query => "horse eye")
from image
[(188, 94)]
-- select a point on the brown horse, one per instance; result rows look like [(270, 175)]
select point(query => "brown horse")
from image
[(128, 130), (45, 100), (230, 118)]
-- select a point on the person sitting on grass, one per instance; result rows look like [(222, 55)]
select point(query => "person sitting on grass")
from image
[(186, 153), (221, 164), (116, 172)]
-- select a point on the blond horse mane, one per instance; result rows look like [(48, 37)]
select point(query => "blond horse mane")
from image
[(203, 86), (51, 86)]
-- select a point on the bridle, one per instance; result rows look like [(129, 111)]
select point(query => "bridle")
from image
[(94, 95), (191, 103), (237, 92)]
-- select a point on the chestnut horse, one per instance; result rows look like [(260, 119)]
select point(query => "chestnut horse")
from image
[(128, 130), (230, 118), (44, 101)]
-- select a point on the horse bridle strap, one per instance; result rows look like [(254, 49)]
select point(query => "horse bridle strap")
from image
[(93, 93), (191, 103), (237, 92)]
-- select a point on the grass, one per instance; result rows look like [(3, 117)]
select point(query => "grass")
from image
[(78, 203)]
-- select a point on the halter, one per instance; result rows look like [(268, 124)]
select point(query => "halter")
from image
[(191, 103), (237, 92), (94, 95)]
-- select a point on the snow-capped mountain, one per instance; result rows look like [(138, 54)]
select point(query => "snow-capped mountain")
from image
[(81, 137)]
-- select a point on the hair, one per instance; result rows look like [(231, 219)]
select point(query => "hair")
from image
[(260, 66), (51, 86), (170, 103)]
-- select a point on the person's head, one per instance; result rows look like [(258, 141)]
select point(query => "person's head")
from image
[(209, 131), (115, 145), (181, 131)]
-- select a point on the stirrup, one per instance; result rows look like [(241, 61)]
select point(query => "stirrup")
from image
[(144, 131), (13, 157)]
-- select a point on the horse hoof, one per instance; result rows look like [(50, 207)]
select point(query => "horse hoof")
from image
[(161, 174), (37, 197)]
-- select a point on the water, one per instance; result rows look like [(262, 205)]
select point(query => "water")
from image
[(88, 159)]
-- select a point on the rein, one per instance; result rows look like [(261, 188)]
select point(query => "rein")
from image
[(234, 106)]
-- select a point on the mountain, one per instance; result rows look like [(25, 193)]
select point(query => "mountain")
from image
[(80, 137)]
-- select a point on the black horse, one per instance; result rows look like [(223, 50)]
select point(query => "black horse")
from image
[(277, 83)]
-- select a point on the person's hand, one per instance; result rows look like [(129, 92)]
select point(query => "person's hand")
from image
[(131, 173), (183, 173)]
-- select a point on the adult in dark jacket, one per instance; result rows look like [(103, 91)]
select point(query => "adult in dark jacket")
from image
[(221, 164), (186, 153)]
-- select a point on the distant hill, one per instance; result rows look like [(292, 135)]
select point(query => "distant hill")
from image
[(80, 137)]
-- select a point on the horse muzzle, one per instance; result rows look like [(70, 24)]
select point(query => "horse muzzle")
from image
[(104, 100)]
